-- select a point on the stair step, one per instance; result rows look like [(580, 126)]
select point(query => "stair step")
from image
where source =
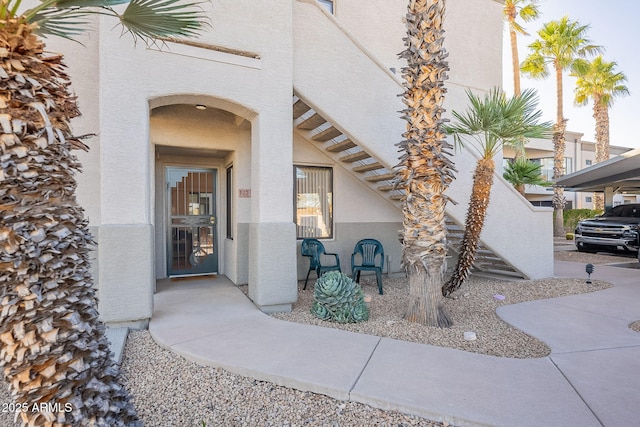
[(312, 122), (350, 158), (381, 177), (327, 134), (368, 167), (341, 146), (497, 265), (299, 108), (496, 270), (386, 187)]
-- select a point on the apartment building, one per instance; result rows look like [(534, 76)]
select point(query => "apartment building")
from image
[(219, 155)]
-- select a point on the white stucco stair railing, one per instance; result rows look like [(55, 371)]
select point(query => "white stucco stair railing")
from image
[(347, 104)]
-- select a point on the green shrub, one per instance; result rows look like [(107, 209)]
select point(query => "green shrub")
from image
[(572, 216), (338, 298)]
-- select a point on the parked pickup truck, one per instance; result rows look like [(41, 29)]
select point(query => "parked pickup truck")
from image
[(616, 229)]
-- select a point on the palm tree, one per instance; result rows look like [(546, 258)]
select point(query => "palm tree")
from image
[(560, 43), (53, 347), (488, 124), (426, 170), (598, 81), (521, 172), (527, 10)]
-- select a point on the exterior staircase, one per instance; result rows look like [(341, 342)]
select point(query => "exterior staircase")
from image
[(380, 176)]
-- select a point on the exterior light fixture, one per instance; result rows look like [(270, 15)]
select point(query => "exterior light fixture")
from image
[(201, 107)]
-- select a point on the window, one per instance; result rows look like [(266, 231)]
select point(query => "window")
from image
[(588, 199), (314, 201), (328, 4), (588, 162), (547, 167), (229, 202)]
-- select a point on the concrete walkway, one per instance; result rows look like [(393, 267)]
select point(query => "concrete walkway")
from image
[(591, 378)]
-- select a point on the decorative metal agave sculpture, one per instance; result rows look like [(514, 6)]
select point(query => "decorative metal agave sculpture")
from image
[(339, 299)]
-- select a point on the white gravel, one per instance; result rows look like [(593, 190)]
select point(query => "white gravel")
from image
[(170, 391)]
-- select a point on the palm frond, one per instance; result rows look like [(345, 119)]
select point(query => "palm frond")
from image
[(495, 120), (151, 19), (145, 19), (65, 23)]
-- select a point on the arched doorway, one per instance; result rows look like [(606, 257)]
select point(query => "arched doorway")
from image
[(198, 217)]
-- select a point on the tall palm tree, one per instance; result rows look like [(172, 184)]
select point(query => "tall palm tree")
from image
[(528, 11), (487, 125), (560, 43), (426, 170), (597, 81), (521, 172), (53, 347)]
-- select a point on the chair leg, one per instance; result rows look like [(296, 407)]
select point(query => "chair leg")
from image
[(305, 280), (379, 280)]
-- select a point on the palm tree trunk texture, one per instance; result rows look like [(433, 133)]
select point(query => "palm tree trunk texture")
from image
[(425, 170), (476, 213), (53, 347), (515, 59), (558, 170), (601, 116)]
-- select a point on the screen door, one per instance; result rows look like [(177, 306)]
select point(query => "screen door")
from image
[(192, 222)]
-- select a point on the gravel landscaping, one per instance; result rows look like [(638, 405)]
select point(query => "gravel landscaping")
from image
[(171, 391), (473, 309)]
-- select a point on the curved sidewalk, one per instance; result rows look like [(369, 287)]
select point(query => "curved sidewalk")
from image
[(591, 378)]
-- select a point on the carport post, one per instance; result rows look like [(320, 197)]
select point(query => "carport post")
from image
[(608, 198)]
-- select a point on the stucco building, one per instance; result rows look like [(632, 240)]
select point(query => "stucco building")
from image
[(579, 154), (220, 154)]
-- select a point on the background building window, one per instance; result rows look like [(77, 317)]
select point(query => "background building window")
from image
[(588, 199), (314, 201), (328, 4), (588, 162), (547, 167)]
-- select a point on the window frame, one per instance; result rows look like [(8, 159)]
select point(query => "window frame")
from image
[(229, 201), (330, 223)]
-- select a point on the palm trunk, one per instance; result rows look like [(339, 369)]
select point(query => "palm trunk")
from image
[(515, 59), (558, 158), (425, 171), (476, 213), (54, 349), (601, 116)]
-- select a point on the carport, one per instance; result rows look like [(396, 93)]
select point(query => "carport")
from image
[(618, 175)]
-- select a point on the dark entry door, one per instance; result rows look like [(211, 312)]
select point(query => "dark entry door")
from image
[(192, 222)]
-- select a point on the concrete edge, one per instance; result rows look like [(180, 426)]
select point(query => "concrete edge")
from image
[(117, 338)]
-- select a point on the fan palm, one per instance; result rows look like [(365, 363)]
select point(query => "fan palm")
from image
[(53, 347), (521, 172), (487, 125), (528, 11), (426, 170), (560, 43), (597, 81)]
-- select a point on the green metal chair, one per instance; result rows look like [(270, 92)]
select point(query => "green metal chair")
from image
[(369, 250), (314, 250)]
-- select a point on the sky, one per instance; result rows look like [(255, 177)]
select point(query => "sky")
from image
[(614, 26)]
